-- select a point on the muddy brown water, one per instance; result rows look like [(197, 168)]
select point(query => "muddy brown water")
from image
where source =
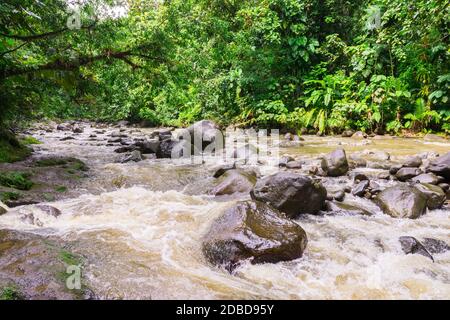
[(138, 228)]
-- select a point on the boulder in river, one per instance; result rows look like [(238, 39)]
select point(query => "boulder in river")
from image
[(359, 135), (172, 148), (339, 207), (234, 181), (441, 166), (335, 163), (3, 208), (52, 211), (253, 230), (290, 193), (148, 146), (206, 132), (435, 246), (134, 156), (430, 178), (360, 188), (411, 245), (402, 201), (413, 162), (347, 133), (407, 173), (435, 195)]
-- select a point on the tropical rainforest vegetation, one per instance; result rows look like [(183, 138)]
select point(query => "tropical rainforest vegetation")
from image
[(319, 65)]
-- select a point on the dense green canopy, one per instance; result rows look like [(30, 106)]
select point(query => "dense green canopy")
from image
[(324, 65)]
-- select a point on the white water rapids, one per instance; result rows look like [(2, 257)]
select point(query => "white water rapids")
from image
[(144, 239)]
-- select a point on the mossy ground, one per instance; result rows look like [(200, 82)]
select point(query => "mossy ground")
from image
[(10, 293)]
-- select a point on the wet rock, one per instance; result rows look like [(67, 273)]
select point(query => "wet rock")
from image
[(338, 207), (290, 193), (3, 208), (118, 134), (383, 175), (148, 146), (402, 201), (358, 162), (206, 132), (148, 156), (435, 246), (66, 138), (407, 173), (294, 165), (234, 181), (174, 148), (359, 135), (115, 140), (347, 133), (430, 178), (52, 211), (360, 177), (394, 169), (284, 160), (360, 188), (444, 186), (337, 195), (435, 195), (124, 149), (134, 156), (413, 162), (335, 164), (441, 166), (77, 129), (411, 245), (256, 231)]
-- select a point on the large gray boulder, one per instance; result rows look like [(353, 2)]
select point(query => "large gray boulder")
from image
[(441, 166), (335, 164), (435, 195), (256, 231), (407, 173), (206, 132), (234, 181), (402, 201), (290, 193)]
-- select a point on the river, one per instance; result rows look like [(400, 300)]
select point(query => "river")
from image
[(139, 228)]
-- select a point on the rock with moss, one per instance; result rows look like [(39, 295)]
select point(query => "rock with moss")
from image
[(253, 230)]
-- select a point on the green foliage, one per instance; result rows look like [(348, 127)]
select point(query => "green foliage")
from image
[(28, 140), (311, 64), (10, 293), (7, 196), (16, 180)]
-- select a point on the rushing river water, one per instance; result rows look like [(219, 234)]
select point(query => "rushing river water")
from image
[(139, 226)]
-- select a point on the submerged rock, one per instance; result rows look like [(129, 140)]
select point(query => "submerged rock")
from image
[(359, 135), (134, 156), (435, 246), (52, 211), (290, 193), (441, 166), (402, 201), (340, 207), (234, 181), (435, 195), (411, 245), (335, 164), (256, 231)]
